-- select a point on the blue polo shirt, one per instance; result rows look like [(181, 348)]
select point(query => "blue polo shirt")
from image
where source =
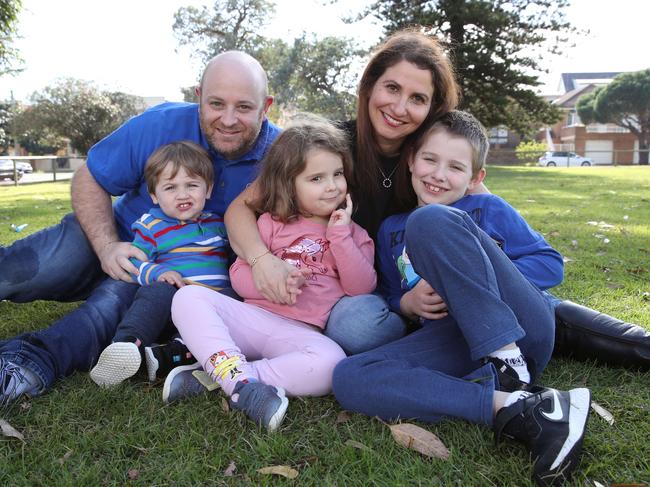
[(117, 161)]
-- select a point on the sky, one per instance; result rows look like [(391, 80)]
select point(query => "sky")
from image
[(129, 45)]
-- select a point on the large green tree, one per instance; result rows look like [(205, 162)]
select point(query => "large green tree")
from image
[(10, 60), (28, 127), (496, 47), (81, 112), (309, 74), (624, 102)]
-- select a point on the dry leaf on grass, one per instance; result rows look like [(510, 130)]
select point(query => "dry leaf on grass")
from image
[(225, 407), (133, 474), (230, 470), (65, 457), (358, 445), (343, 417), (10, 431), (602, 412), (419, 439), (282, 470)]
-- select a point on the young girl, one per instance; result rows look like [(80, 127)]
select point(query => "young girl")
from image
[(257, 350), (486, 327)]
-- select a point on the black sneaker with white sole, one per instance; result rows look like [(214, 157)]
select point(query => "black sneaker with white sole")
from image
[(161, 359), (552, 425)]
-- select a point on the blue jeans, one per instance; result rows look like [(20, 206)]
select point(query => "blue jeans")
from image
[(437, 370), (360, 323), (149, 315), (59, 264)]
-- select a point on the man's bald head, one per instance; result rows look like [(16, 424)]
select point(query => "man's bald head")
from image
[(233, 99), (241, 61)]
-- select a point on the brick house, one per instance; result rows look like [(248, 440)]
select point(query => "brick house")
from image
[(604, 143)]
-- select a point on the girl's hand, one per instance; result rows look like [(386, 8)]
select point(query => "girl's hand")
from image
[(173, 278), (423, 302), (342, 216), (295, 280)]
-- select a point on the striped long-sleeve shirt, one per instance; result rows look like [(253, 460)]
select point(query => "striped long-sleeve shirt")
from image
[(197, 250)]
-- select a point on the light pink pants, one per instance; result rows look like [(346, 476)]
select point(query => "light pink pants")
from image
[(278, 351)]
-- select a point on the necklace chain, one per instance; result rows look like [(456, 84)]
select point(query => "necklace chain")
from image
[(388, 182)]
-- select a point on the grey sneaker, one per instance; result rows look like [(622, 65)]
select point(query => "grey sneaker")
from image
[(15, 381), (181, 383), (264, 404), (118, 361)]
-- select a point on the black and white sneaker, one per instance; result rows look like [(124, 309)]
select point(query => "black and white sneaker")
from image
[(161, 359), (552, 425), (508, 378)]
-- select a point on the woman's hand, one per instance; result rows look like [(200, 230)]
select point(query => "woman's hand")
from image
[(272, 279), (423, 302)]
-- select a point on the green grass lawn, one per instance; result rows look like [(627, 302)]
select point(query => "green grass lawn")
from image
[(78, 434)]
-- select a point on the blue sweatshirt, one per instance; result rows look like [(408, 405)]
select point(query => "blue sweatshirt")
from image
[(540, 263)]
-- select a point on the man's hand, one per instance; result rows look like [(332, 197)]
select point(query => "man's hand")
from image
[(271, 276), (114, 258), (173, 278), (423, 301)]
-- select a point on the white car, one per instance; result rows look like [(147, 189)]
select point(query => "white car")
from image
[(24, 166), (550, 159)]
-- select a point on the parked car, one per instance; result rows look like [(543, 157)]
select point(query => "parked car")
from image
[(24, 166), (7, 170), (550, 159)]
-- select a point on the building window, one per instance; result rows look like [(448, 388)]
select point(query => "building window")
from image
[(498, 135)]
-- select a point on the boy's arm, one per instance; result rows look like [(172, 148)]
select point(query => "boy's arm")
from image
[(148, 271), (540, 263), (354, 253)]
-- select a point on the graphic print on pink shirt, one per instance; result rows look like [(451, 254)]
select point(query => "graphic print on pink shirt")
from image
[(305, 252)]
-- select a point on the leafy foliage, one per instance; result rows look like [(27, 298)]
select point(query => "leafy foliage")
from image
[(309, 75), (530, 151), (9, 57), (624, 102), (29, 129), (79, 111), (495, 46)]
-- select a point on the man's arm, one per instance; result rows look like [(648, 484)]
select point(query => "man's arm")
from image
[(93, 208)]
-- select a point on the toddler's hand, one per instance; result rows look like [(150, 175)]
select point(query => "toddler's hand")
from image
[(173, 278), (342, 216)]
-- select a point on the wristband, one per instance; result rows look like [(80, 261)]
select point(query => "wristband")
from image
[(255, 260)]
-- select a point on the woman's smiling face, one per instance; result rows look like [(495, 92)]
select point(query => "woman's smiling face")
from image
[(399, 102)]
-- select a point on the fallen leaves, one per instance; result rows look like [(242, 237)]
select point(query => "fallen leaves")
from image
[(602, 412), (230, 470), (419, 439), (358, 445), (9, 431), (281, 470)]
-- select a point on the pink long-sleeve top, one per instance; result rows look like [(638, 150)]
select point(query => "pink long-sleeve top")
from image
[(341, 259)]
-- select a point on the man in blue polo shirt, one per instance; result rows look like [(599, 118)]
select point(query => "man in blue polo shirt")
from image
[(70, 261)]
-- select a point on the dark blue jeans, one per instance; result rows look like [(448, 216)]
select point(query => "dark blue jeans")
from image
[(149, 315), (437, 370), (59, 264)]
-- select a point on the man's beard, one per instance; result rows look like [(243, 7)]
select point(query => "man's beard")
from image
[(245, 141)]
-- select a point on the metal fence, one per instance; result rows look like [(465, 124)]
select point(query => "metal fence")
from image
[(37, 169), (597, 158)]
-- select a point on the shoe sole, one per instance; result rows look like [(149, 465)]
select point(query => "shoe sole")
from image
[(152, 364), (276, 419), (170, 377), (566, 460), (117, 362)]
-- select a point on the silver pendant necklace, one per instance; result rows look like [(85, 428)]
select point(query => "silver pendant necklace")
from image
[(388, 182)]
